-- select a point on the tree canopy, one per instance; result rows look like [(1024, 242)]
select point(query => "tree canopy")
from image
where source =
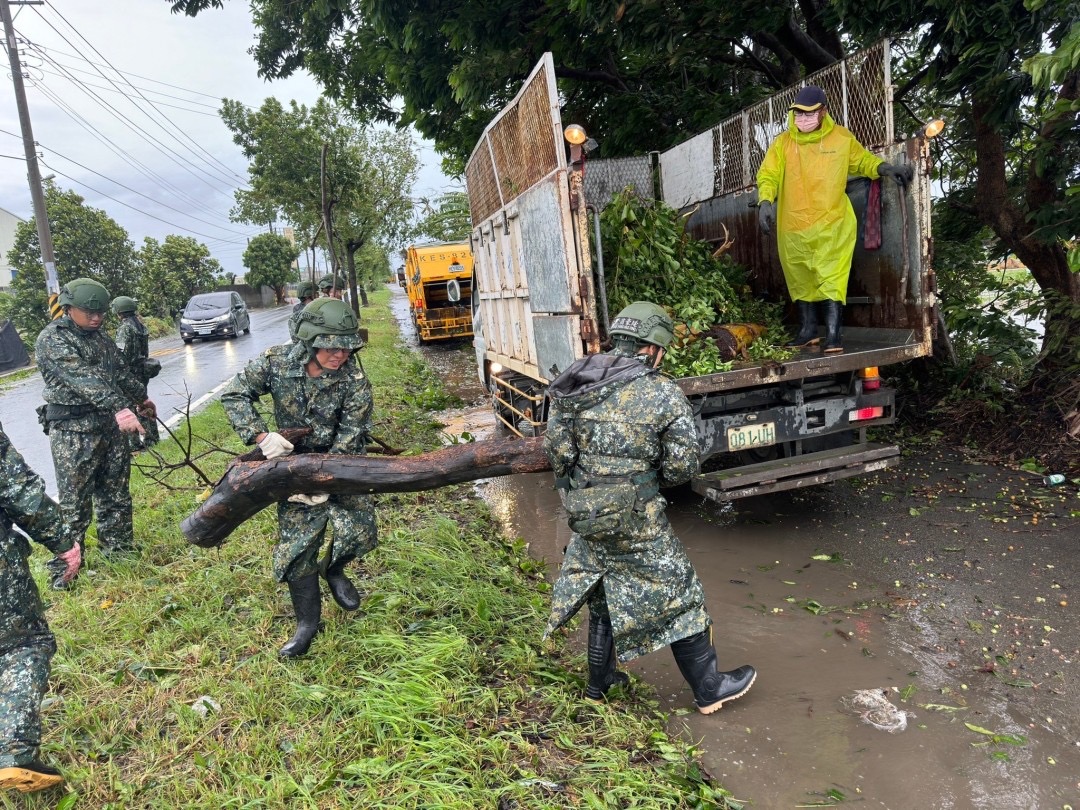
[(318, 166), (87, 243), (171, 272), (269, 261)]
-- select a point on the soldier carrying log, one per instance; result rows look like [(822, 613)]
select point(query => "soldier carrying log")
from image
[(314, 383)]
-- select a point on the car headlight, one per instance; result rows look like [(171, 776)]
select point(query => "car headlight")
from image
[(186, 322)]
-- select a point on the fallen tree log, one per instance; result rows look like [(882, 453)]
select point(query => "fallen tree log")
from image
[(248, 487)]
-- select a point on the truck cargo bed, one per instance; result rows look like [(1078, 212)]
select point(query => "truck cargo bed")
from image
[(862, 348)]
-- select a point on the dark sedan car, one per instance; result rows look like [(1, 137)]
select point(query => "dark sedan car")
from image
[(214, 314)]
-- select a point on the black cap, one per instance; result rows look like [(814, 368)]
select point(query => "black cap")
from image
[(810, 98)]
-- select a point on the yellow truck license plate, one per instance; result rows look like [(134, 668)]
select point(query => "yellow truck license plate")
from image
[(750, 436)]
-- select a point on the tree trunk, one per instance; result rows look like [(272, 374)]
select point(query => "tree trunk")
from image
[(1045, 259), (357, 289), (250, 486)]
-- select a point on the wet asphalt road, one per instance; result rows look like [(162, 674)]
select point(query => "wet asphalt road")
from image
[(188, 371)]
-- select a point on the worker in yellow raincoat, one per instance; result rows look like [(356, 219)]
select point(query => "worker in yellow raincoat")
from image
[(801, 183)]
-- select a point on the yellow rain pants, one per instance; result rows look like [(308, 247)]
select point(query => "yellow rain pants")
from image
[(805, 174)]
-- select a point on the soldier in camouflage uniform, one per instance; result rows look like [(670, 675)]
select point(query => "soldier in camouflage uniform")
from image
[(314, 383), (133, 341), (306, 293), (618, 432), (332, 285), (92, 400), (26, 644)]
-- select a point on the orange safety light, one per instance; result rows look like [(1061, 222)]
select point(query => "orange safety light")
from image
[(871, 381)]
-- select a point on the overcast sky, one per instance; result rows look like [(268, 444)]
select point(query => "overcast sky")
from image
[(153, 127)]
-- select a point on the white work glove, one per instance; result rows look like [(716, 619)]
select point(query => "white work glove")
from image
[(128, 422), (274, 445), (310, 500)]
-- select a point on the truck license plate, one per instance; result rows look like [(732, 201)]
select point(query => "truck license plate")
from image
[(750, 436)]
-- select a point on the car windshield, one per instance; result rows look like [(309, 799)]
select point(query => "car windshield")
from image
[(210, 301)]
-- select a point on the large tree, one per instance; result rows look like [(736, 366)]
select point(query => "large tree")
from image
[(87, 243), (171, 272), (269, 259), (319, 167)]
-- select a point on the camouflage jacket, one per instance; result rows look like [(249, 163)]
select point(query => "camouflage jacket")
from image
[(613, 419), (83, 371), (133, 342), (23, 501), (612, 416), (336, 405)]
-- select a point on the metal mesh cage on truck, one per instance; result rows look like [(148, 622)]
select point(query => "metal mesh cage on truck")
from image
[(517, 150)]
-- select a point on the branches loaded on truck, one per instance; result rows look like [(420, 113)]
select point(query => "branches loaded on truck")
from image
[(438, 280), (540, 291)]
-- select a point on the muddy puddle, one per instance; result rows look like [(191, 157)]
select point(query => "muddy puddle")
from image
[(818, 632), (860, 617)]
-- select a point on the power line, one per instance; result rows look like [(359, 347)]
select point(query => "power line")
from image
[(121, 92), (141, 194), (136, 75), (129, 205), (74, 69), (120, 152), (198, 146), (131, 124)]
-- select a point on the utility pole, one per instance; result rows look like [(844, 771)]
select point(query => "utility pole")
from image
[(33, 174)]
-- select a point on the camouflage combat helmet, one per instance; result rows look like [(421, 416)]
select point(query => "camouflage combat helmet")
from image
[(85, 293), (124, 304), (328, 282), (644, 322), (305, 289), (328, 323)]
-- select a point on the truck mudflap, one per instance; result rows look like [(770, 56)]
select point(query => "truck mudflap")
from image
[(796, 472)]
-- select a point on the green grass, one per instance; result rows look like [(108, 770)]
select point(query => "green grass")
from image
[(438, 693)]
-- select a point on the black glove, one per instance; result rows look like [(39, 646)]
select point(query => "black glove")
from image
[(901, 173), (766, 216)]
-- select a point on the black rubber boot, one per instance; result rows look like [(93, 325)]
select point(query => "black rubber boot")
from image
[(341, 588), (602, 672), (834, 312), (807, 325), (696, 658), (305, 598)]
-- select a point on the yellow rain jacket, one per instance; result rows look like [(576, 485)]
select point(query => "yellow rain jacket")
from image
[(805, 174)]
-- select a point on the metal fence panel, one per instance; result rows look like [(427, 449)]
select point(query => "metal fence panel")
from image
[(860, 98), (606, 178)]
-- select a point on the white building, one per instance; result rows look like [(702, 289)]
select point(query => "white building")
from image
[(8, 222)]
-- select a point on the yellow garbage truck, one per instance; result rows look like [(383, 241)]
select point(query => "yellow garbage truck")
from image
[(438, 280)]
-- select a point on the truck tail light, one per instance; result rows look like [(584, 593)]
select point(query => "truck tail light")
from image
[(871, 381), (866, 413)]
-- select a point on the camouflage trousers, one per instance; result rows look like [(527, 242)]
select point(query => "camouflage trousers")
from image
[(26, 648), (302, 529), (92, 474), (644, 582)]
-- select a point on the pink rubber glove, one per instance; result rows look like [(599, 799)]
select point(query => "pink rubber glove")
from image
[(128, 422), (72, 559)]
